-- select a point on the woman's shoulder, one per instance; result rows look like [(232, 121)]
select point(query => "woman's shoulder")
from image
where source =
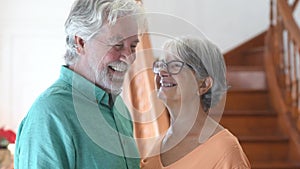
[(230, 151), (223, 138)]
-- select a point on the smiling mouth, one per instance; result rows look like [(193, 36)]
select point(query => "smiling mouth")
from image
[(165, 84), (119, 67)]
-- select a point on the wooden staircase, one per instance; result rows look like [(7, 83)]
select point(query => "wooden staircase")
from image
[(248, 112)]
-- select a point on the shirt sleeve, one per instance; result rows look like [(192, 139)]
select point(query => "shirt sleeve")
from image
[(43, 140)]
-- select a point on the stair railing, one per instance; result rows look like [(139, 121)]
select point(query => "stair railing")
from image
[(283, 60)]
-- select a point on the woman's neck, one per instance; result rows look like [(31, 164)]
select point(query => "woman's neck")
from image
[(190, 121), (186, 134)]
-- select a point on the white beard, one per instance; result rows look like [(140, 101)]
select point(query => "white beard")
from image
[(108, 82)]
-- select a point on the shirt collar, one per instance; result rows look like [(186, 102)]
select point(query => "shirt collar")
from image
[(84, 86)]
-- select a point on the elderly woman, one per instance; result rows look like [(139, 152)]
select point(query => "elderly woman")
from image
[(191, 82)]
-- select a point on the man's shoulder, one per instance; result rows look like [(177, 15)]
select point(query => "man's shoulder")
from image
[(56, 92), (57, 98)]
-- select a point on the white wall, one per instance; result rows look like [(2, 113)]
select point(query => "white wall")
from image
[(31, 52), (227, 23), (32, 40)]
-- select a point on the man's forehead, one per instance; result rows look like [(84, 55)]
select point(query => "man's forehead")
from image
[(118, 38), (123, 28)]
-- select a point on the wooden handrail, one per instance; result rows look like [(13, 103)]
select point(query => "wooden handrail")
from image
[(295, 5), (283, 61), (288, 20)]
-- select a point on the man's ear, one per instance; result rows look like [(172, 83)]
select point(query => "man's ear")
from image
[(79, 42), (204, 85)]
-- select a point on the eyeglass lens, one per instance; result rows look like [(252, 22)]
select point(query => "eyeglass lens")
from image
[(173, 67)]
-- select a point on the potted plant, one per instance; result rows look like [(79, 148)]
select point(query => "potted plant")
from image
[(6, 137)]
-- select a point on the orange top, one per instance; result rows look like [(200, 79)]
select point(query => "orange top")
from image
[(221, 151)]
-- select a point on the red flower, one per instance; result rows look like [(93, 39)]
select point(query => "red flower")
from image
[(8, 135)]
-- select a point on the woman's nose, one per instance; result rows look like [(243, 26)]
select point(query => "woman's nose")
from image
[(163, 73)]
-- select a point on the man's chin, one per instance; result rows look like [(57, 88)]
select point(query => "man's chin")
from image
[(111, 86), (116, 92), (116, 88)]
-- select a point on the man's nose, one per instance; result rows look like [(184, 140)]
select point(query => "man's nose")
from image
[(127, 55)]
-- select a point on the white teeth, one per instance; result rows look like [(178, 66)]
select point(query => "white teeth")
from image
[(119, 67), (167, 85)]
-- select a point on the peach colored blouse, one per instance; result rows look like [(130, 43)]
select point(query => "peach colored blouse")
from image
[(221, 151)]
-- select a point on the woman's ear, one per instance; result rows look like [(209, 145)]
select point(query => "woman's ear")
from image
[(204, 85), (79, 42)]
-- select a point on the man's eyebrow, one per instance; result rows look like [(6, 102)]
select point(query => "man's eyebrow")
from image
[(119, 38), (115, 39)]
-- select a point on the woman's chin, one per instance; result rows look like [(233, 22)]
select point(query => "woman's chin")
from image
[(166, 95), (161, 95)]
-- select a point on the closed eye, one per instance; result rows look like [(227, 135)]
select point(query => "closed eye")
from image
[(118, 46), (133, 48), (134, 45)]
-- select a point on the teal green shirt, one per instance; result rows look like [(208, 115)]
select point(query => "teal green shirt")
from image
[(72, 125)]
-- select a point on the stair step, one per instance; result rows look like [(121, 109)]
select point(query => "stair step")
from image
[(249, 113), (265, 148), (246, 78), (245, 68), (264, 138), (245, 123), (254, 100), (250, 57), (275, 165)]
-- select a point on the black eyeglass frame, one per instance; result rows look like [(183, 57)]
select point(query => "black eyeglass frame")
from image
[(166, 64)]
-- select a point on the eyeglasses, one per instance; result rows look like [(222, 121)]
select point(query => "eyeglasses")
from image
[(173, 67)]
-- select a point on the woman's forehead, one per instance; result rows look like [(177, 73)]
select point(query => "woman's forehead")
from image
[(170, 55)]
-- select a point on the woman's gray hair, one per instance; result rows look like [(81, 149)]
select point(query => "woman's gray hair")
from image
[(88, 16), (207, 61)]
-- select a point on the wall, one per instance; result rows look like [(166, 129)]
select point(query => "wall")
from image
[(32, 40), (227, 23), (31, 52)]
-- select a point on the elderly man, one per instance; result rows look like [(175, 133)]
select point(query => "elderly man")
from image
[(80, 121)]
